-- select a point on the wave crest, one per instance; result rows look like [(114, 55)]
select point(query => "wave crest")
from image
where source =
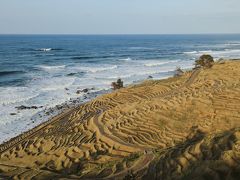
[(98, 69), (91, 57), (49, 68), (49, 49), (126, 59), (5, 73)]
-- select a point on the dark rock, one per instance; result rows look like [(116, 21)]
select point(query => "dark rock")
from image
[(33, 107), (78, 91), (71, 74), (82, 90), (74, 101), (22, 107), (59, 107), (75, 73), (85, 90)]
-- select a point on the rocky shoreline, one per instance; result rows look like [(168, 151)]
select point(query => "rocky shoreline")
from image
[(44, 114)]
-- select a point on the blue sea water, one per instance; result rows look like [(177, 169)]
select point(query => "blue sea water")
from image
[(46, 70)]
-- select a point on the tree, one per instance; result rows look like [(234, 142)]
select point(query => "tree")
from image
[(178, 72), (118, 84), (205, 61)]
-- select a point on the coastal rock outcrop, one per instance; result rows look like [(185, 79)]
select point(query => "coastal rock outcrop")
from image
[(22, 107)]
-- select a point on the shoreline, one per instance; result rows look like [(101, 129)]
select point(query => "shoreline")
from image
[(87, 97), (46, 114), (73, 103), (66, 107)]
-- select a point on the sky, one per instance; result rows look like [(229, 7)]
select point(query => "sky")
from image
[(119, 16)]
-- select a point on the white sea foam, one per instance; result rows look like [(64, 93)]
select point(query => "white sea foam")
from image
[(45, 49), (141, 48), (226, 53), (97, 68), (53, 83), (139, 71), (191, 52), (126, 59), (11, 95), (136, 74), (232, 44), (159, 63), (206, 52), (51, 68), (155, 64)]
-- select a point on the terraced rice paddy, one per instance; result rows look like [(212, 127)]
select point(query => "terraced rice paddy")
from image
[(182, 127)]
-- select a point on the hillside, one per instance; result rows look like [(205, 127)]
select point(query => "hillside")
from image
[(178, 128)]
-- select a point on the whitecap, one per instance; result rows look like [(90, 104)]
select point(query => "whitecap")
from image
[(232, 44), (51, 68), (158, 63), (190, 52), (198, 52), (11, 95), (98, 68), (53, 83), (141, 48), (126, 59), (225, 53), (45, 49), (140, 73), (206, 51)]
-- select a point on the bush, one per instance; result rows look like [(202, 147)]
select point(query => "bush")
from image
[(118, 84), (178, 72), (205, 61)]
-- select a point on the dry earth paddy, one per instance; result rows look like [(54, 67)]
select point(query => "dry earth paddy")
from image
[(178, 128)]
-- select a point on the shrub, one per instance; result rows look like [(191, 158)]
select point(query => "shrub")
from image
[(178, 72), (118, 84), (205, 61)]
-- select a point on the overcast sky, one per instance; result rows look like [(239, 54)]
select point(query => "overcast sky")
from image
[(119, 16)]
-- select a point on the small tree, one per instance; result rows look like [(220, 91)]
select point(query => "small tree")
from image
[(178, 72), (204, 61), (118, 84)]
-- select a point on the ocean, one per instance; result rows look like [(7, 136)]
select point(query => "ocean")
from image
[(43, 71)]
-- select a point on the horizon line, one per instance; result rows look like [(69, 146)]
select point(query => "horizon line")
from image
[(107, 34)]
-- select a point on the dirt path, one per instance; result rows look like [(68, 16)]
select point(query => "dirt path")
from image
[(192, 77)]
